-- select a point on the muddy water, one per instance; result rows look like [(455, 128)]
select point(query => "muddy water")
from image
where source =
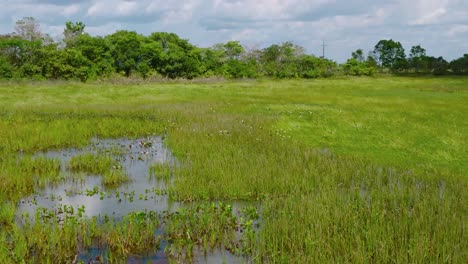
[(141, 193)]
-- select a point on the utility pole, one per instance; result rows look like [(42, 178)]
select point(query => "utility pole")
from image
[(323, 48)]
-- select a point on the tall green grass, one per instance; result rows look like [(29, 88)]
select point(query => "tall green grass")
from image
[(346, 170), (108, 168)]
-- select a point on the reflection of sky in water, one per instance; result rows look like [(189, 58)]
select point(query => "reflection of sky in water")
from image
[(136, 161)]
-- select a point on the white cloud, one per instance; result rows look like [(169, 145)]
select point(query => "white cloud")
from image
[(429, 18), (265, 9), (457, 30), (113, 8), (249, 36), (71, 10), (104, 29), (182, 13), (422, 12)]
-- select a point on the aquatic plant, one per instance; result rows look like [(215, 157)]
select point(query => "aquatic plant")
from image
[(134, 234), (114, 178), (91, 163), (161, 171)]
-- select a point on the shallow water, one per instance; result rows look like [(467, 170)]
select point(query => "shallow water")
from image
[(136, 195), (141, 193)]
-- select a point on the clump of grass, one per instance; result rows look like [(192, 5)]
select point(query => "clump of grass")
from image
[(91, 163), (114, 178), (21, 176), (43, 170), (160, 171), (206, 226), (111, 172), (50, 237), (135, 234), (7, 214), (39, 165), (56, 235)]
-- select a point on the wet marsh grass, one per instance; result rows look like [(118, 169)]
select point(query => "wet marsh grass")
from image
[(91, 163), (161, 171), (114, 178), (7, 214), (207, 227), (135, 234), (348, 171), (100, 164), (57, 234), (21, 175)]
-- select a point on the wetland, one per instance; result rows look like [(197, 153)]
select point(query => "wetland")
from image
[(352, 170)]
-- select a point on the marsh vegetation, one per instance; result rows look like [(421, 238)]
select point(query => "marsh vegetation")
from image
[(338, 170)]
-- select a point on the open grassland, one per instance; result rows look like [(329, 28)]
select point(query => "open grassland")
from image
[(346, 170)]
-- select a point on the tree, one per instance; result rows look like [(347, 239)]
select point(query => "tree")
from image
[(177, 58), (126, 50), (281, 60), (233, 50), (97, 50), (22, 55), (212, 60), (438, 66), (150, 57), (390, 54), (417, 58), (417, 52), (460, 65), (356, 65), (6, 70), (72, 31), (29, 29), (358, 55), (371, 60), (309, 66), (66, 64)]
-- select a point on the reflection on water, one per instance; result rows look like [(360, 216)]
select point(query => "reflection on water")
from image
[(135, 156), (141, 193)]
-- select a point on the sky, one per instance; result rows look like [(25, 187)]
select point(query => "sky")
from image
[(440, 26)]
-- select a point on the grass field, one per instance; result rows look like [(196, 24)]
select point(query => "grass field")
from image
[(353, 170)]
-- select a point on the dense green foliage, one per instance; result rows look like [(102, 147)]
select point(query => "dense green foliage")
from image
[(29, 54), (83, 57), (353, 170), (391, 55), (357, 66)]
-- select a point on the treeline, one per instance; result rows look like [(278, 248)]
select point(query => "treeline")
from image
[(30, 54), (390, 56)]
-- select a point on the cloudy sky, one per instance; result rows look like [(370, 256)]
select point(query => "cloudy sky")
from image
[(440, 26)]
